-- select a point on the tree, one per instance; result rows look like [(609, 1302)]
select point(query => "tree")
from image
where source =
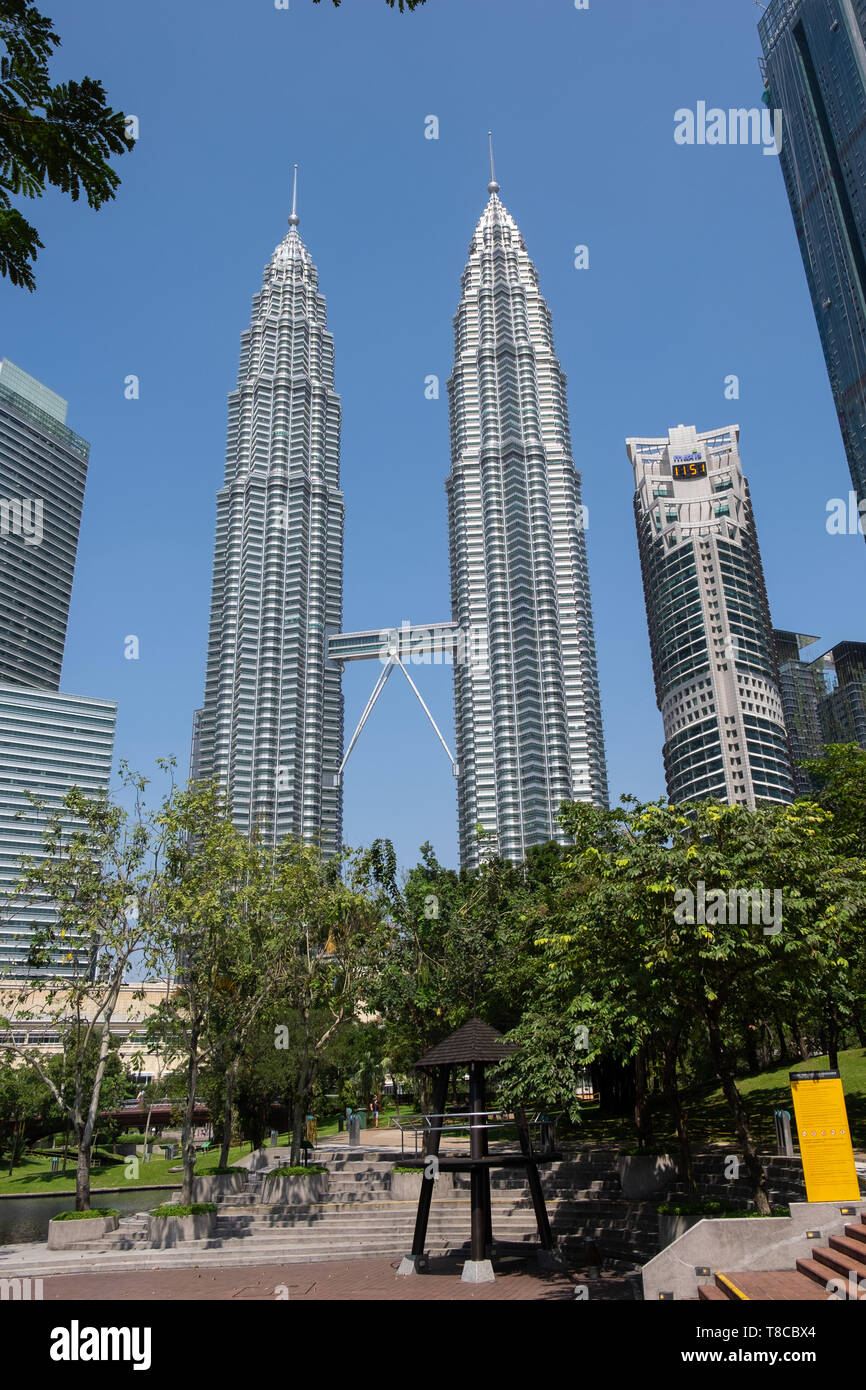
[(336, 943), (208, 890), (644, 928), (61, 135), (99, 872)]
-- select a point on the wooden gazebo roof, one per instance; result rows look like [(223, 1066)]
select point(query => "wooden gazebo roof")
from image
[(474, 1042)]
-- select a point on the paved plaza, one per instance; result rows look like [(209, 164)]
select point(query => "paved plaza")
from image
[(340, 1280)]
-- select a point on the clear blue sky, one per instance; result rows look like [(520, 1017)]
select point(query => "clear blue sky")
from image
[(694, 274)]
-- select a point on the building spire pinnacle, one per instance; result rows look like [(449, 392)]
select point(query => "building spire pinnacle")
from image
[(294, 219), (493, 186)]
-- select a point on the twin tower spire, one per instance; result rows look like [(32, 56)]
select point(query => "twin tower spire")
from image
[(526, 699)]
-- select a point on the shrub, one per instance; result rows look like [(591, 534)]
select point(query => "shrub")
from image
[(298, 1171), (83, 1215), (722, 1209), (398, 1168), (177, 1209)]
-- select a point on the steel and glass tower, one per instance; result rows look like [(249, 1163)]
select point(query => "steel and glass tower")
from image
[(815, 69), (714, 658), (528, 715), (270, 732), (49, 742), (43, 469)]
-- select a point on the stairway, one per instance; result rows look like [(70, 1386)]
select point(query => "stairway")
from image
[(842, 1258)]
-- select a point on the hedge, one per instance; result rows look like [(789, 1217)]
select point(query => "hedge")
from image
[(83, 1215)]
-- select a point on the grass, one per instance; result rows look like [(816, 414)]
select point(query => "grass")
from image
[(34, 1175), (708, 1116)]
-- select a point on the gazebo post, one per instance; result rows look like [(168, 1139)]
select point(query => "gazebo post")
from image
[(478, 1268), (411, 1264), (548, 1255)]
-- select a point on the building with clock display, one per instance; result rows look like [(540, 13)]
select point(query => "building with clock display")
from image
[(714, 662)]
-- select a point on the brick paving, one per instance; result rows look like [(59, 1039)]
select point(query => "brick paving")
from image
[(337, 1280)]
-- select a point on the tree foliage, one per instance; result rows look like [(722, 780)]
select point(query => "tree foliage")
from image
[(60, 135)]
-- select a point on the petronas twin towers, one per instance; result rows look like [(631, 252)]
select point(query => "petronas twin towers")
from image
[(527, 711)]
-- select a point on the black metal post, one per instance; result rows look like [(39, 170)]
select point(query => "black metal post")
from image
[(440, 1095), (476, 1150), (542, 1221)]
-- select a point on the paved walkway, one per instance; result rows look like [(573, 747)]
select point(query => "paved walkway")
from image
[(346, 1281)]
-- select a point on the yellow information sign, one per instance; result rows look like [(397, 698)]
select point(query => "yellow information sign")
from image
[(825, 1137)]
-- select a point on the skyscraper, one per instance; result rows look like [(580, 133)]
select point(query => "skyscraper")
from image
[(528, 718), (716, 678), (815, 70), (824, 697), (43, 468), (800, 689), (49, 742), (271, 728)]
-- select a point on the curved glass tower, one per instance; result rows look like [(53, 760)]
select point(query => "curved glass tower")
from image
[(271, 728), (714, 659), (528, 717)]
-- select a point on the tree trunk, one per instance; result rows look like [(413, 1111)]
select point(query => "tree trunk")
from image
[(858, 1028), (228, 1112), (802, 1046), (642, 1114), (784, 1054), (833, 1037), (751, 1048), (754, 1166), (187, 1141), (671, 1092), (82, 1176)]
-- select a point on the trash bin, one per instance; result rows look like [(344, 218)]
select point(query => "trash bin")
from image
[(354, 1129), (339, 1124)]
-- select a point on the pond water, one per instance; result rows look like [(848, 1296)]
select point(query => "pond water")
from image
[(26, 1218)]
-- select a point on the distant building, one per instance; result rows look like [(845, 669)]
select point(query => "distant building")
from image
[(43, 468), (824, 697), (801, 688), (815, 69), (716, 678)]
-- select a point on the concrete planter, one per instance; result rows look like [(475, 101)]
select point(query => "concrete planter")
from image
[(299, 1191), (643, 1176), (217, 1187), (166, 1231), (406, 1187), (126, 1150), (63, 1235), (672, 1227)]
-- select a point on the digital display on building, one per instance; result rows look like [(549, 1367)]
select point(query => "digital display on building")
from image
[(690, 470)]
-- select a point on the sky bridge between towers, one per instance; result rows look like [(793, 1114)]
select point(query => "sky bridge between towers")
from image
[(414, 644)]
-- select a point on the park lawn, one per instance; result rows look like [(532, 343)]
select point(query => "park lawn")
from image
[(709, 1118), (34, 1174)]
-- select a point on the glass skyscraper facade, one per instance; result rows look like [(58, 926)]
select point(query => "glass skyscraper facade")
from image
[(43, 469), (270, 732), (824, 696), (528, 716), (815, 71), (714, 662), (49, 742)]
